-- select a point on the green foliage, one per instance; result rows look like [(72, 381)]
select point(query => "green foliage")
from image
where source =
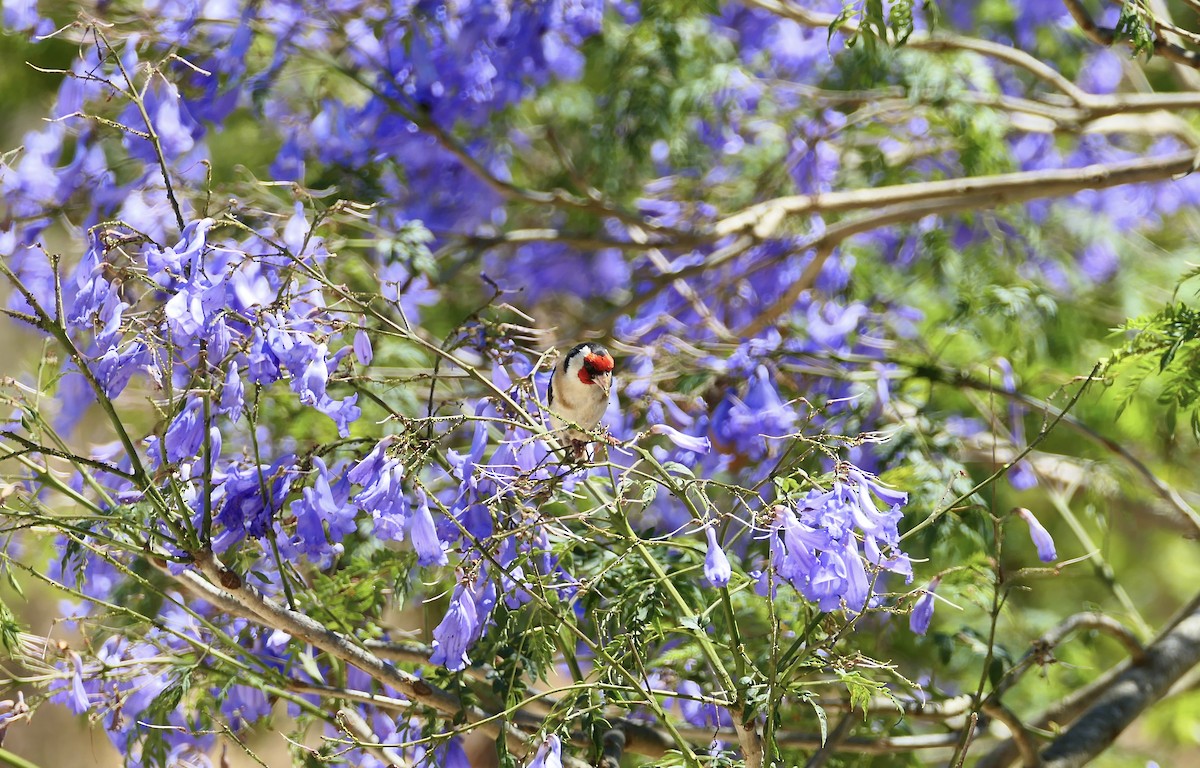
[(10, 629), (1135, 25), (1164, 347), (352, 597)]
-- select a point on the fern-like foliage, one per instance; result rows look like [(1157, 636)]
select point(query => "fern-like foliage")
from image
[(1163, 346)]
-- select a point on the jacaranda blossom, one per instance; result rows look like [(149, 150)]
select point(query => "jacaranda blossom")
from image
[(922, 613), (716, 564), (1041, 537)]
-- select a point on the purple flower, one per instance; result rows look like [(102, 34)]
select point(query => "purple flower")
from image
[(1039, 534), (1099, 261), (693, 443), (22, 16), (922, 613), (716, 564), (454, 636), (243, 510), (1021, 476), (78, 700), (177, 263), (549, 755), (315, 378), (233, 394), (382, 495), (424, 534), (343, 412), (323, 504), (1102, 71), (244, 705), (814, 546), (744, 424), (367, 471), (177, 131), (701, 714), (116, 367), (185, 435), (452, 755), (185, 312), (362, 347)]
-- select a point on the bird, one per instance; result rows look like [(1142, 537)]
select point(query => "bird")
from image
[(578, 393)]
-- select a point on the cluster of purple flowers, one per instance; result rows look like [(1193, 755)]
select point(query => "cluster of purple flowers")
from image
[(815, 544)]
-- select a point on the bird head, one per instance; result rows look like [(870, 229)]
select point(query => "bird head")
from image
[(592, 365)]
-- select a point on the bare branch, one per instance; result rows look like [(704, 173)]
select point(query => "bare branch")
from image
[(358, 728), (652, 742), (1020, 736), (955, 194), (1166, 660), (1115, 698), (928, 199)]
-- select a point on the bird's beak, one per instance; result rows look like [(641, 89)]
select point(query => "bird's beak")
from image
[(604, 381)]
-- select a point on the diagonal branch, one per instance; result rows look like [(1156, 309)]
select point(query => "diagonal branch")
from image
[(240, 599), (928, 199), (1101, 709), (1107, 36), (1133, 691), (951, 195)]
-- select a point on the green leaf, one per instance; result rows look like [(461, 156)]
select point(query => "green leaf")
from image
[(822, 718), (10, 629), (309, 664), (649, 492), (861, 689), (677, 468)]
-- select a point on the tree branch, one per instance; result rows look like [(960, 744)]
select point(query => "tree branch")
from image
[(1167, 659), (951, 195), (1103, 697), (1005, 53), (238, 598), (1107, 36), (928, 199)]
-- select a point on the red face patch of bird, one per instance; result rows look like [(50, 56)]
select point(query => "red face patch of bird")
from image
[(595, 365)]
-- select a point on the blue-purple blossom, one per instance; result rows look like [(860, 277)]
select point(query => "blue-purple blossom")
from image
[(452, 755), (745, 424), (716, 564), (323, 505), (382, 495), (922, 613), (22, 16), (694, 443), (700, 713), (241, 508), (244, 705), (816, 547), (549, 754), (423, 533), (1021, 476), (233, 393), (1041, 537), (362, 347), (455, 634), (78, 700), (343, 412), (185, 434)]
